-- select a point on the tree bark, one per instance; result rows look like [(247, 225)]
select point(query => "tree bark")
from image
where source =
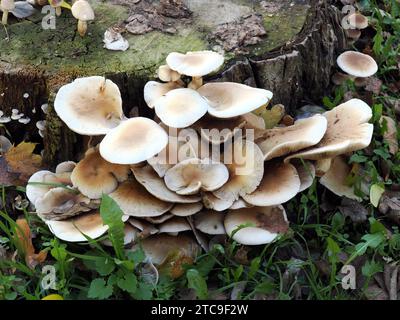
[(296, 64)]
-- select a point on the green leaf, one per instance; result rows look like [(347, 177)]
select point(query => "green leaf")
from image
[(104, 266), (370, 241), (333, 250), (99, 290), (205, 265), (375, 193), (128, 283), (197, 282), (254, 266), (112, 216), (370, 268), (136, 256), (265, 287), (143, 292), (357, 158), (376, 226)]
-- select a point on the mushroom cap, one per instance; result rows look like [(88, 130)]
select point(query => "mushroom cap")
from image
[(304, 133), (186, 209), (7, 5), (240, 204), (154, 90), (245, 163), (180, 108), (81, 10), (335, 179), (279, 184), (159, 247), (166, 74), (210, 201), (348, 130), (306, 173), (210, 222), (145, 227), (358, 21), (65, 167), (71, 230), (174, 225), (229, 99), (156, 186), (134, 200), (357, 64), (133, 141), (159, 219), (90, 106), (191, 175), (195, 64), (94, 176), (267, 224), (130, 235)]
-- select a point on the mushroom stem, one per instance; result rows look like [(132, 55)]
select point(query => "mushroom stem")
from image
[(5, 17), (82, 27), (196, 83), (58, 11)]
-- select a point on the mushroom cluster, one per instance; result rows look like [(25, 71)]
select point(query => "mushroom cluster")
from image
[(205, 165)]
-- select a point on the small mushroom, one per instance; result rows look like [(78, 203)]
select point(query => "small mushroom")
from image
[(166, 74), (66, 166), (83, 12), (186, 209), (357, 21), (133, 141), (212, 202), (357, 64), (256, 226), (6, 6), (210, 222), (154, 90), (306, 172), (57, 4), (174, 226)]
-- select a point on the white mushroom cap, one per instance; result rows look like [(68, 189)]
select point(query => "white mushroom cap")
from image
[(65, 167), (5, 144), (357, 64), (90, 106), (191, 175), (94, 176), (229, 99), (156, 186), (180, 108), (7, 5), (82, 10), (133, 141), (174, 225), (210, 201), (348, 130), (279, 184), (306, 172), (357, 21), (134, 200), (267, 223), (71, 230), (186, 209), (240, 204), (304, 133), (154, 90), (166, 74), (210, 222), (336, 177), (195, 64)]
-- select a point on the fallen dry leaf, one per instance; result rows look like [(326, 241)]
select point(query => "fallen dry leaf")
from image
[(390, 134)]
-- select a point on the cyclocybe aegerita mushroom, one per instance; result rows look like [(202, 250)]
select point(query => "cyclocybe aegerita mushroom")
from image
[(146, 229), (83, 12), (6, 6), (357, 64), (212, 202), (133, 141), (186, 209), (335, 179), (154, 90), (94, 176), (195, 64), (348, 130), (240, 204), (159, 219), (256, 226), (174, 226), (245, 163), (180, 108), (90, 106), (279, 184), (210, 222), (357, 21), (66, 166), (57, 4), (229, 99), (192, 175), (306, 172), (134, 200), (166, 74), (155, 185), (304, 133)]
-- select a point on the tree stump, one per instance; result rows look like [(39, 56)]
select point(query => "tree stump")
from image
[(288, 47)]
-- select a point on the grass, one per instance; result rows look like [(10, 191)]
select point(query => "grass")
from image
[(305, 263)]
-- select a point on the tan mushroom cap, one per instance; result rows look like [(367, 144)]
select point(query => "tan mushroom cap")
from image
[(357, 21), (210, 222), (191, 175), (90, 106), (135, 201), (159, 219), (306, 173), (155, 185), (146, 228), (195, 64), (245, 163), (279, 184), (212, 202), (166, 74), (71, 230), (133, 141), (240, 204), (186, 209), (174, 225), (159, 247), (180, 108), (94, 176), (357, 64), (304, 133), (335, 179), (82, 10), (65, 167), (154, 90), (266, 224), (348, 130), (229, 99)]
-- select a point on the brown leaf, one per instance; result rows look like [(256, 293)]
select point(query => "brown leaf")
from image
[(374, 85), (390, 135), (354, 210)]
